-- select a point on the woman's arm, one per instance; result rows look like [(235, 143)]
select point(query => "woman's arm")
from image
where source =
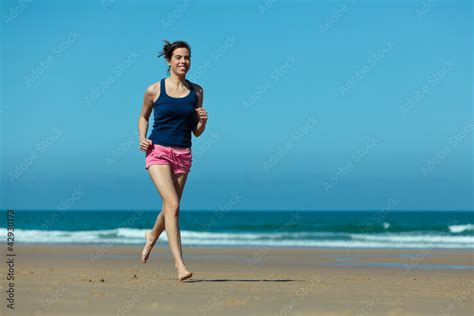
[(200, 112), (147, 107)]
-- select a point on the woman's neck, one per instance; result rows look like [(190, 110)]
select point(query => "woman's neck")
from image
[(176, 81)]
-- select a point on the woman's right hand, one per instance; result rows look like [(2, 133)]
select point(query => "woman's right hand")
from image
[(145, 144)]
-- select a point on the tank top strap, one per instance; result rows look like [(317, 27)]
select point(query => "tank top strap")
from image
[(162, 87), (190, 85)]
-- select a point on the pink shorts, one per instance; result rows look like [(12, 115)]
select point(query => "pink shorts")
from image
[(180, 160)]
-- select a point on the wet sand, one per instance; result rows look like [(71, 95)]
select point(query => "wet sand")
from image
[(111, 280)]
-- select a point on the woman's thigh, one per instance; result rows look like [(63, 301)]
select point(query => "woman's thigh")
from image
[(180, 182), (165, 183)]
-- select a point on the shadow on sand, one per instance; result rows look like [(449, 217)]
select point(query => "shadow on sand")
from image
[(239, 280)]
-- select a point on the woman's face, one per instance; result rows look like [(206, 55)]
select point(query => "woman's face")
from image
[(180, 61)]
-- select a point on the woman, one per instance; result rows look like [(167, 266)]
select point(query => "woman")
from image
[(178, 111)]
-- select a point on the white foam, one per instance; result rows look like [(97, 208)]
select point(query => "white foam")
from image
[(287, 239), (461, 228), (407, 238)]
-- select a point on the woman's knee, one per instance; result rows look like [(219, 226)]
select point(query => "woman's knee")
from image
[(171, 208)]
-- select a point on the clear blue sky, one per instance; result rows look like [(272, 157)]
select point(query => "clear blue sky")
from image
[(312, 105)]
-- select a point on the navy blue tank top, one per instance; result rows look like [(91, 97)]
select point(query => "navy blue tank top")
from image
[(175, 118)]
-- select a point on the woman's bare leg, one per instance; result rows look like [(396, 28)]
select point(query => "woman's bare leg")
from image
[(164, 181), (180, 182), (153, 235)]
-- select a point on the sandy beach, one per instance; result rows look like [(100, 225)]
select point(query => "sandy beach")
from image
[(110, 280)]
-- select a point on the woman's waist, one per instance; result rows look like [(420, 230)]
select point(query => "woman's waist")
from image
[(175, 143), (173, 147)]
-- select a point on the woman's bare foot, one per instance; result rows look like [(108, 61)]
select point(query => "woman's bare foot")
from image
[(183, 273), (150, 243)]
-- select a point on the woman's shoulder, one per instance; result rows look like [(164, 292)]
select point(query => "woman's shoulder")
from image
[(196, 87), (154, 87), (199, 93), (153, 90)]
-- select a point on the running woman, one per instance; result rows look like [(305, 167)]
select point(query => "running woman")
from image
[(177, 106)]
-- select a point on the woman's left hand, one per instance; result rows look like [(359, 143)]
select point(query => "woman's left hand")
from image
[(202, 113)]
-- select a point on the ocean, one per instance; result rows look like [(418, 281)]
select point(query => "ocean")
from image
[(315, 229)]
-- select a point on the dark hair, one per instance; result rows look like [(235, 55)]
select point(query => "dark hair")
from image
[(168, 49)]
